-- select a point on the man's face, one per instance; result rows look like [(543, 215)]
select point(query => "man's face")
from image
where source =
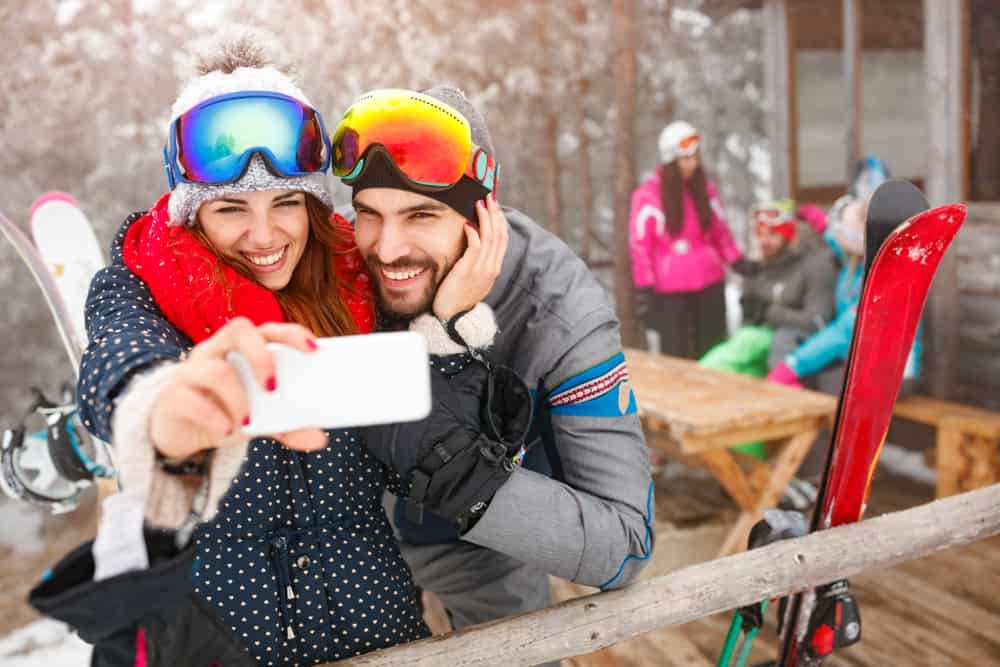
[(410, 242), (772, 243)]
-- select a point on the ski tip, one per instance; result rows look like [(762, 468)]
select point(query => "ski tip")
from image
[(896, 199), (55, 195)]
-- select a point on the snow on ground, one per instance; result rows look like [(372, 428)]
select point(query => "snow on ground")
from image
[(22, 525), (43, 644), (906, 463)]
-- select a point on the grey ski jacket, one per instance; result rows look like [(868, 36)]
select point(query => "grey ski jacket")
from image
[(592, 520)]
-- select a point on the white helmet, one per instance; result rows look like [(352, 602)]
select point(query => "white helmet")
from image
[(678, 138)]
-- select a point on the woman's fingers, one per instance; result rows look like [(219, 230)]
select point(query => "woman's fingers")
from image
[(241, 335), (293, 335), (217, 380), (304, 440), (185, 421)]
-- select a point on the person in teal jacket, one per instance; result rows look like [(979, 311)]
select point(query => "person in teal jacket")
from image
[(819, 360)]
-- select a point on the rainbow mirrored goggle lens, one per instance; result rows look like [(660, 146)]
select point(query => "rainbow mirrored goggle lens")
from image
[(213, 142), (429, 142)]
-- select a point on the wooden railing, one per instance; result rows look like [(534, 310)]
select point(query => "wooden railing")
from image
[(591, 623)]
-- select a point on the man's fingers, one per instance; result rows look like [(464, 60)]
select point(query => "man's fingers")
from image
[(486, 222), (304, 440), (501, 234)]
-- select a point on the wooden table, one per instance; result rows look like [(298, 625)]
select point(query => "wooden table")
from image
[(697, 414)]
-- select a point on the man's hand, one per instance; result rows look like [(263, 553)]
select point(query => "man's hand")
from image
[(462, 453), (472, 277), (754, 309), (745, 267)]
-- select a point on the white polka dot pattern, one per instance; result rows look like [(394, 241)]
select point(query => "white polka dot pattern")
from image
[(300, 562)]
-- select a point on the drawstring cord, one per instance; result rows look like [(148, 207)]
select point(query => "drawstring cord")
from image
[(279, 558)]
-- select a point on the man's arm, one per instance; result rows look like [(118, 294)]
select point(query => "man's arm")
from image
[(595, 524), (819, 301)]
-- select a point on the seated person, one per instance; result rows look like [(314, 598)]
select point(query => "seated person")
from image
[(788, 298)]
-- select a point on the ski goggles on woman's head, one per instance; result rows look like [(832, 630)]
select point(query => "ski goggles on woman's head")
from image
[(212, 143), (689, 145), (428, 142)]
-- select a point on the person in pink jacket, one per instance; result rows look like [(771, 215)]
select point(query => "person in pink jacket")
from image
[(680, 244)]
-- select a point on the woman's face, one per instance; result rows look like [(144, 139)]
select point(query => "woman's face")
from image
[(850, 229), (687, 164), (264, 231)]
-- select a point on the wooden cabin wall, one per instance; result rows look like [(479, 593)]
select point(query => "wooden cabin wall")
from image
[(977, 380)]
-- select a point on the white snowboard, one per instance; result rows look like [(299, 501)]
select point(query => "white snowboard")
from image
[(66, 242)]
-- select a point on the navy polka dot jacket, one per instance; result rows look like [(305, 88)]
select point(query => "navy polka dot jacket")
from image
[(300, 561)]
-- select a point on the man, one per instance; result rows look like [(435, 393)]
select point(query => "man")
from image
[(580, 506), (788, 298)]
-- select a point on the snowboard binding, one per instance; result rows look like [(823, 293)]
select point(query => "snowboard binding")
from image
[(51, 466)]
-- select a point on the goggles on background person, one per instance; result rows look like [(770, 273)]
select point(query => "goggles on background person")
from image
[(689, 145), (777, 216), (428, 142), (212, 142)]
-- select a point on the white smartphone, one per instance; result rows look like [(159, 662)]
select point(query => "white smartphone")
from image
[(349, 381)]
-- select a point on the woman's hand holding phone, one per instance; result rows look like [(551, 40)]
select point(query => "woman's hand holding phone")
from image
[(205, 404), (473, 275)]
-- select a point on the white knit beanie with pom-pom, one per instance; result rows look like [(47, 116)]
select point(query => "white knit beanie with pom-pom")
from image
[(239, 58)]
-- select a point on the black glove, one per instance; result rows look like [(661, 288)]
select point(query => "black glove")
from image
[(745, 267), (462, 453), (754, 309)]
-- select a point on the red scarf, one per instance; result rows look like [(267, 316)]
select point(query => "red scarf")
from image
[(183, 278)]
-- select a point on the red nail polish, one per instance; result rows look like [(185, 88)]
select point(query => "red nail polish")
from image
[(246, 420), (272, 383), (312, 344)]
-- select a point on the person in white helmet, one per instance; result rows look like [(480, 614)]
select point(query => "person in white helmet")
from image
[(680, 244)]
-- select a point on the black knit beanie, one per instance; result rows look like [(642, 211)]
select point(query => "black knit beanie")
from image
[(382, 173)]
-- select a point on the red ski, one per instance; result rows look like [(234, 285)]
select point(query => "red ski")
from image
[(896, 284)]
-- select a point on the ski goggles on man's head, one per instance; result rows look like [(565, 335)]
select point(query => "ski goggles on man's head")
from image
[(774, 212), (212, 143), (428, 142)]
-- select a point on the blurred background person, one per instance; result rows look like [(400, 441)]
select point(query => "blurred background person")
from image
[(788, 298), (680, 245)]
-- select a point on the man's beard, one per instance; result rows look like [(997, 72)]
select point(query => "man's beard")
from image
[(389, 318)]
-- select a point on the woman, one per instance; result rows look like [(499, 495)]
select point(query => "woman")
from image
[(680, 243), (298, 559)]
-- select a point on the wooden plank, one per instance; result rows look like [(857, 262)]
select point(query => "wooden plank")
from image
[(928, 410), (944, 37), (735, 436), (949, 461), (777, 83), (785, 465), (692, 401), (591, 623), (941, 609), (731, 477)]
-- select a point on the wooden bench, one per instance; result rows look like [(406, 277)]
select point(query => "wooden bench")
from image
[(967, 442)]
